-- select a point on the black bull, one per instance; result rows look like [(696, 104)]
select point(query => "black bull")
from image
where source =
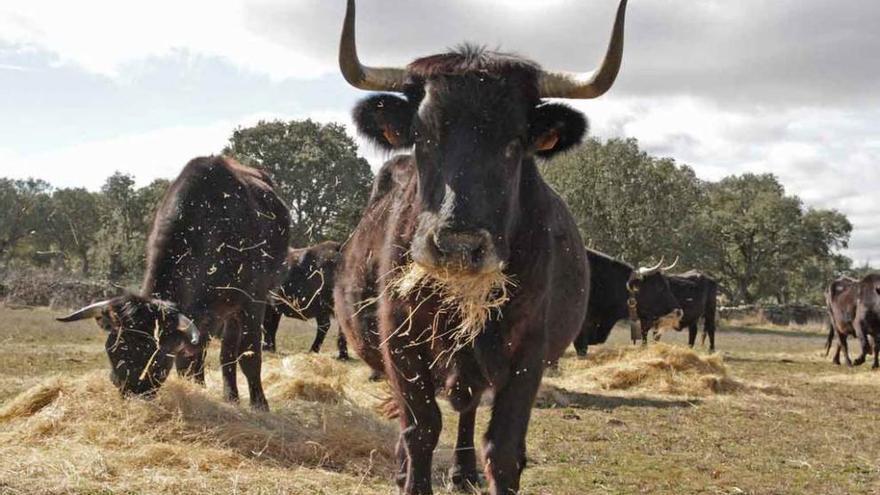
[(216, 248), (854, 309), (306, 293), (469, 202), (697, 296), (617, 292)]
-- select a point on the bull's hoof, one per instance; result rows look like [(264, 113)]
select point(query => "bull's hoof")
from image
[(268, 347), (464, 480), (859, 361), (315, 350), (875, 365), (835, 362), (343, 357)]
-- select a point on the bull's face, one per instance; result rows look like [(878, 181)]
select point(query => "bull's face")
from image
[(471, 136), (655, 301), (143, 336), (475, 118)]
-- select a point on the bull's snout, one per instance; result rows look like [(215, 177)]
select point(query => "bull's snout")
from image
[(463, 250), (678, 313)]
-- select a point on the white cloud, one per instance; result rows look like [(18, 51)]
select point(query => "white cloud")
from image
[(103, 36)]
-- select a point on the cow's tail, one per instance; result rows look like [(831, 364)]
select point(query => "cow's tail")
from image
[(829, 339)]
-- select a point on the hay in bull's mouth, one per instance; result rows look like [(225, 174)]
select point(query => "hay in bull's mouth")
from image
[(470, 300)]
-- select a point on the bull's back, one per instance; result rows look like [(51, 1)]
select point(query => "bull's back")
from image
[(219, 225)]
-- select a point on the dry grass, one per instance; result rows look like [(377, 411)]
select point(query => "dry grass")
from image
[(79, 432), (656, 369), (74, 435), (470, 300)]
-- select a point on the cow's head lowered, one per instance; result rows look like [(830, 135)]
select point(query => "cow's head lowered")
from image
[(473, 118), (143, 335)]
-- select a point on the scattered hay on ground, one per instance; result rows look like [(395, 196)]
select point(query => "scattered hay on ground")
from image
[(658, 368), (78, 433), (862, 376)]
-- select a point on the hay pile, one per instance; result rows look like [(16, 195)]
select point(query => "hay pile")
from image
[(79, 434), (659, 368)]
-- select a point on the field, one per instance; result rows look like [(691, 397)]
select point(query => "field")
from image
[(774, 417)]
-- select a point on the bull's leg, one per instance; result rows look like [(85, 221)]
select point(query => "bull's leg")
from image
[(874, 339), (692, 335), (229, 358), (464, 463), (342, 346), (270, 328), (709, 329), (842, 347), (581, 344), (861, 329), (504, 449), (836, 359), (323, 321), (250, 355), (420, 418)]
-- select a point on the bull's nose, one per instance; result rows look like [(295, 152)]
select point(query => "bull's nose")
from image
[(462, 249), (679, 313)]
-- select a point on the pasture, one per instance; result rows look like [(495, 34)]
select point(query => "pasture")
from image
[(773, 417)]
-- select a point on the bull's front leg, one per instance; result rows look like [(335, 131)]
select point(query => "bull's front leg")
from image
[(505, 440), (408, 371), (861, 328)]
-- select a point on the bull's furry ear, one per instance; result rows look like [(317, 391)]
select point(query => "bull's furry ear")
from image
[(386, 120), (554, 127)]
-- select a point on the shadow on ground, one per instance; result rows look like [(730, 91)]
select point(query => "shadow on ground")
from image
[(552, 397)]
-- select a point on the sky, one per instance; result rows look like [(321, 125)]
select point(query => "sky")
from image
[(788, 87)]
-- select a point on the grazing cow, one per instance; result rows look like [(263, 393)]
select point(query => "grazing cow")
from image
[(697, 296), (216, 248), (471, 205), (852, 311), (617, 292), (306, 293)]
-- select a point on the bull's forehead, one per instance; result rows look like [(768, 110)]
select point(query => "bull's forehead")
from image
[(487, 104)]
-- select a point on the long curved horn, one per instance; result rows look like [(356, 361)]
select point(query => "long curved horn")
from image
[(91, 311), (362, 76), (187, 326), (588, 85), (670, 267), (645, 271)]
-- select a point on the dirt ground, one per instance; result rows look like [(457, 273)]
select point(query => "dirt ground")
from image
[(794, 424)]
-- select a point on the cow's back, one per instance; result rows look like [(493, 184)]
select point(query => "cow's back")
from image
[(220, 230)]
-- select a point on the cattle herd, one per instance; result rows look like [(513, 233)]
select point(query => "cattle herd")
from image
[(469, 200)]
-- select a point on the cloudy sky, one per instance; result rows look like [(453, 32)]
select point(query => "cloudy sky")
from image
[(789, 86)]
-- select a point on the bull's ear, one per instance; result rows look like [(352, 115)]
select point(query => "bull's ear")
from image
[(386, 120), (554, 127)]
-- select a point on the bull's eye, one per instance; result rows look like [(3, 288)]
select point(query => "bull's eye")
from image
[(512, 149)]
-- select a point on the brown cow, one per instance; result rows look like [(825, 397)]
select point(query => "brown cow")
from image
[(306, 293), (471, 203), (852, 311), (216, 248)]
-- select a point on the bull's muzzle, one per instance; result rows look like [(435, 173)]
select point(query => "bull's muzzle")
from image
[(470, 251), (670, 321)]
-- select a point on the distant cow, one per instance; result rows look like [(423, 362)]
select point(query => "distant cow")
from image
[(697, 296), (216, 248), (472, 205), (617, 292), (853, 310), (306, 293)]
